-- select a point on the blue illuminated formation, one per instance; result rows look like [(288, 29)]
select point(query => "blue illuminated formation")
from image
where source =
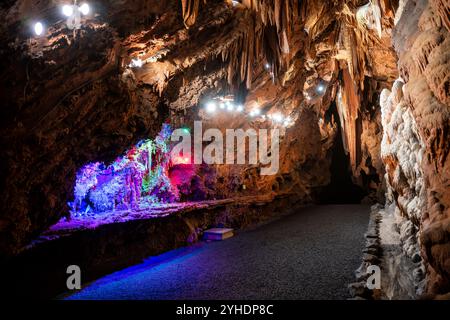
[(135, 180)]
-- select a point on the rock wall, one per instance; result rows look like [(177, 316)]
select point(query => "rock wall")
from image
[(402, 152), (416, 123)]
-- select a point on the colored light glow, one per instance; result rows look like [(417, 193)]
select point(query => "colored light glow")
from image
[(240, 108), (67, 10), (84, 9), (321, 88), (181, 160), (136, 180), (38, 28), (222, 105)]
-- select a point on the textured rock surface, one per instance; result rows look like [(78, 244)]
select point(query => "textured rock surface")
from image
[(403, 275), (70, 97), (416, 122), (371, 257)]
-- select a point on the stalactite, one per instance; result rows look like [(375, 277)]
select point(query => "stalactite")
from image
[(353, 44), (260, 41), (348, 104), (257, 39), (190, 11), (369, 16)]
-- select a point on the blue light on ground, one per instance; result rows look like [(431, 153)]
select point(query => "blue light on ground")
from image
[(140, 273)]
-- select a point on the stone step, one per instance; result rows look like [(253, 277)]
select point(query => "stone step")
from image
[(218, 234)]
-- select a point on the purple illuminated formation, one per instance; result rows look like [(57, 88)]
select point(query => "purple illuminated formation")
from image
[(135, 180)]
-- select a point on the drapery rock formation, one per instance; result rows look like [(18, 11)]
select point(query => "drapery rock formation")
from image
[(402, 152), (415, 148), (77, 96)]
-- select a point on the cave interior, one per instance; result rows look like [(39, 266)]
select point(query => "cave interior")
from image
[(94, 92)]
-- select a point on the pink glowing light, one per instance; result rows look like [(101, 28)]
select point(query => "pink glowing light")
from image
[(181, 160)]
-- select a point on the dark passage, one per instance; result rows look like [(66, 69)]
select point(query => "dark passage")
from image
[(341, 190), (311, 254)]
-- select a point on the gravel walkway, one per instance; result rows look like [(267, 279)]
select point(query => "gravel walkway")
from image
[(311, 254)]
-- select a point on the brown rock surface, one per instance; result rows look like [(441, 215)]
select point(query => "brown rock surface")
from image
[(420, 178)]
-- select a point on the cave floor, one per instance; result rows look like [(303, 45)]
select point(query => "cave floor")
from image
[(311, 254)]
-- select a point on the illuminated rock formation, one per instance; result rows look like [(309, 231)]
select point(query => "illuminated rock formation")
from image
[(415, 146)]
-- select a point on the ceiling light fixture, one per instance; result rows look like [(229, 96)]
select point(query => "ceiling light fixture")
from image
[(136, 63), (73, 13), (255, 112), (84, 9), (67, 10), (211, 107), (230, 106), (321, 88), (287, 122), (277, 117), (38, 28)]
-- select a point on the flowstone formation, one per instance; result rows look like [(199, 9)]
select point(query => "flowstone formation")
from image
[(415, 147)]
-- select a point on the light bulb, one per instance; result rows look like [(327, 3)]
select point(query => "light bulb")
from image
[(230, 106), (255, 112), (136, 63), (287, 122), (84, 9), (211, 107), (277, 117), (240, 108), (38, 28), (222, 105), (67, 10)]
